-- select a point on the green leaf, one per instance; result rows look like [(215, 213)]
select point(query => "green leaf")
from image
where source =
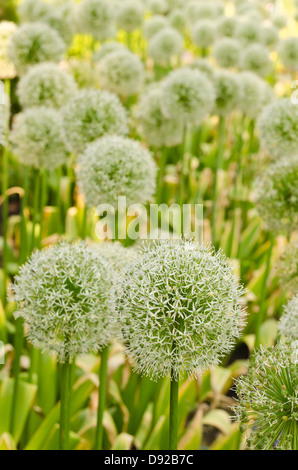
[(219, 419)]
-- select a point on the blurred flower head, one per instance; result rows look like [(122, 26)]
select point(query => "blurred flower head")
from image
[(288, 325), (46, 84), (91, 114), (226, 92), (38, 139), (288, 52), (165, 45), (130, 14), (153, 25), (255, 94), (287, 267), (255, 58), (116, 166), (203, 33), (227, 52), (97, 18)]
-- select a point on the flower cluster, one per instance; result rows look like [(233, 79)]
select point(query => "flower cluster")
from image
[(288, 325), (187, 93), (115, 166), (38, 139), (178, 308), (46, 84), (278, 128), (61, 293), (158, 129), (121, 72), (277, 195), (91, 114), (33, 43), (268, 399)]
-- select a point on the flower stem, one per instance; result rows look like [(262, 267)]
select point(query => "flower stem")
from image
[(103, 377), (173, 431), (18, 346), (65, 406), (84, 222), (261, 317), (35, 210), (218, 165), (43, 200)]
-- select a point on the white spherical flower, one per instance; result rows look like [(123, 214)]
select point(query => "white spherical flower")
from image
[(156, 128), (178, 308), (7, 69), (165, 45), (33, 10), (279, 20), (61, 294), (116, 166), (121, 72), (97, 18), (227, 52), (157, 6), (130, 14), (38, 139), (153, 25), (203, 66), (107, 48), (199, 10), (287, 267), (56, 20), (288, 325), (226, 92), (277, 195), (288, 53), (255, 94), (46, 85), (256, 59), (204, 33), (33, 43), (177, 19), (188, 94), (270, 36), (91, 114), (278, 128), (226, 26), (248, 31)]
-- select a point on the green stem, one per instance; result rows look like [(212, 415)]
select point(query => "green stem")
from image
[(18, 346), (65, 405), (24, 234), (59, 201), (103, 378), (162, 164), (43, 176), (35, 210), (218, 165), (262, 313), (173, 431), (84, 223)]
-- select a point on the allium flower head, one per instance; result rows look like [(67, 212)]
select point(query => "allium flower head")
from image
[(203, 33), (268, 399), (226, 92), (121, 72), (226, 26), (203, 66), (97, 18), (116, 256), (46, 84), (156, 128), (116, 166), (38, 138), (61, 294), (56, 20), (177, 19), (33, 43), (248, 31), (279, 20), (33, 10), (287, 268), (153, 25), (288, 325), (278, 128), (188, 94), (288, 52), (227, 52), (178, 308), (91, 114), (255, 94), (165, 45), (277, 195), (201, 10), (157, 6), (255, 58), (7, 69), (270, 36), (130, 14), (106, 49)]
